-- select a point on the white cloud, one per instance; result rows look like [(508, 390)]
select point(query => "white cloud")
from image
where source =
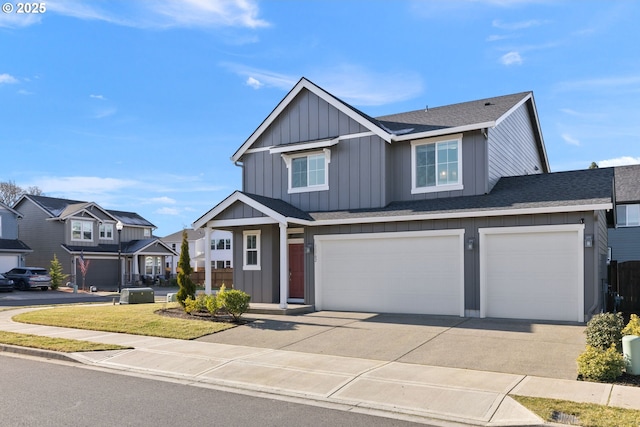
[(352, 83), (18, 20), (167, 211), (600, 83), (85, 188), (7, 79), (105, 112), (620, 161), (254, 83), (511, 58), (511, 26), (163, 199), (569, 139), (100, 97), (166, 13)]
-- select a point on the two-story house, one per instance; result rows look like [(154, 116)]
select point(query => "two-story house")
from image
[(75, 230), (12, 249), (624, 240), (220, 246), (449, 210)]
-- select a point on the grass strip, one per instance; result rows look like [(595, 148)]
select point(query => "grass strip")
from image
[(137, 319), (589, 414), (63, 345)]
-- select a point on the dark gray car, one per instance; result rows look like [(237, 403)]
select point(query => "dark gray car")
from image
[(6, 284), (25, 278)]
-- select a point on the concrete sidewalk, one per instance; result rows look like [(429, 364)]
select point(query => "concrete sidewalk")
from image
[(399, 389)]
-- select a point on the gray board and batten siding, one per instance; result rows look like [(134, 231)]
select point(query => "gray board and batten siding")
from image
[(625, 244)]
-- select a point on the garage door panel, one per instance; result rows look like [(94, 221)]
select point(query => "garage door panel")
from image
[(532, 274), (390, 272)]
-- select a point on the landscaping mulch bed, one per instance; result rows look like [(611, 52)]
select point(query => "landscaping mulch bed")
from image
[(178, 312), (624, 379)]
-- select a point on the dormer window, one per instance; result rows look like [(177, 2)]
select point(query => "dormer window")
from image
[(436, 165), (308, 171)]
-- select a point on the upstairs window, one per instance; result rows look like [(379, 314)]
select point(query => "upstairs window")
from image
[(309, 171), (82, 230), (436, 165), (628, 215), (106, 231)]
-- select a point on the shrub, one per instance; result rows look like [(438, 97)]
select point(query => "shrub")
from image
[(187, 287), (605, 329), (56, 273), (600, 365), (633, 327), (235, 302), (195, 305)]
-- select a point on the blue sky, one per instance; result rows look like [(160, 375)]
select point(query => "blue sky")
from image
[(139, 105)]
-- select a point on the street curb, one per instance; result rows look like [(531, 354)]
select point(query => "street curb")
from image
[(36, 352)]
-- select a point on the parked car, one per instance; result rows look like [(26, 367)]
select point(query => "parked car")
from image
[(6, 284), (25, 278)]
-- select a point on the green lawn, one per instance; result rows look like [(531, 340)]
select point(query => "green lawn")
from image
[(138, 319), (589, 414)]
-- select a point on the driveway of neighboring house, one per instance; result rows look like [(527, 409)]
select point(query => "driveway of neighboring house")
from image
[(546, 349)]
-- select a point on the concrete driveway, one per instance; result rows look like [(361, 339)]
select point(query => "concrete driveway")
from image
[(523, 347)]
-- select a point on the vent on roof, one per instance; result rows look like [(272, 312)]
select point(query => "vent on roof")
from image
[(486, 104)]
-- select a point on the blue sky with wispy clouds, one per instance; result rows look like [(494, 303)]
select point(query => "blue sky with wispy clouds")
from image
[(139, 105)]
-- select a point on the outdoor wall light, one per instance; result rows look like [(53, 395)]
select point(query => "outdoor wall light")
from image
[(308, 248), (588, 241), (471, 242)]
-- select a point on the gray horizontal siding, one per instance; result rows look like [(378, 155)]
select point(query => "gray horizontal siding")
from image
[(625, 243), (512, 147)]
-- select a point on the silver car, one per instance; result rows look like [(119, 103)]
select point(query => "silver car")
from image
[(25, 278)]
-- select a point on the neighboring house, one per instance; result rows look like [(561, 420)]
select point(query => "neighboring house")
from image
[(75, 230), (12, 250), (624, 240), (449, 210), (220, 244)]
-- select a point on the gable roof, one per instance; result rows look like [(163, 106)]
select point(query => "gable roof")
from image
[(64, 208), (127, 248), (14, 245), (627, 184), (5, 206), (428, 122)]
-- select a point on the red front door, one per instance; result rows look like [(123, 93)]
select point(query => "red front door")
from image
[(296, 270)]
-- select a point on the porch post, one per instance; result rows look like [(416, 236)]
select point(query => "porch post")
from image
[(284, 266), (207, 260)]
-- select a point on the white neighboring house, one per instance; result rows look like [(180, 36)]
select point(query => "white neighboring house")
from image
[(221, 249)]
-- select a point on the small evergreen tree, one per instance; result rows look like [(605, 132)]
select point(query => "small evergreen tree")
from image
[(55, 271), (593, 165), (187, 287)]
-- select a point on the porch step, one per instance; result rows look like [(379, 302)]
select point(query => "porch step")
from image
[(263, 308)]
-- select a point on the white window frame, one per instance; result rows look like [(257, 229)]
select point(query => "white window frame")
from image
[(245, 249), (105, 232), (84, 224), (625, 223), (288, 159), (437, 187), (147, 232)]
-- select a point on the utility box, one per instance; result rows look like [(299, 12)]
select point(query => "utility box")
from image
[(172, 297), (136, 296), (631, 351)]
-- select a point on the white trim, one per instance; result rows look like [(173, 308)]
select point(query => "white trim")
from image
[(289, 148), (284, 267), (434, 141), (319, 239), (235, 197), (246, 233), (442, 132), (82, 222), (330, 99), (260, 149), (578, 228), (221, 223), (275, 148)]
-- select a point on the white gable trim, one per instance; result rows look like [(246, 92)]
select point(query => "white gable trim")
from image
[(330, 99), (442, 132), (238, 197), (289, 148)]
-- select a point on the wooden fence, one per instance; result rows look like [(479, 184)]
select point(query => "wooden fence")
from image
[(219, 276), (625, 280)]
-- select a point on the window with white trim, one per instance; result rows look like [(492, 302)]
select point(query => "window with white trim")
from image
[(82, 230), (147, 232), (628, 215), (436, 165), (251, 250), (308, 171), (106, 231)]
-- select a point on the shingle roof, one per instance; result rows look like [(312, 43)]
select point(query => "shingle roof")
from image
[(127, 248), (13, 245), (449, 116), (60, 207), (627, 184), (574, 188), (280, 206)]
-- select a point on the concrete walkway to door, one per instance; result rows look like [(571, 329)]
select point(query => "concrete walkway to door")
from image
[(522, 347)]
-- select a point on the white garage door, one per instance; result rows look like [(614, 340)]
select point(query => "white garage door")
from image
[(406, 272), (7, 262), (532, 272)]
